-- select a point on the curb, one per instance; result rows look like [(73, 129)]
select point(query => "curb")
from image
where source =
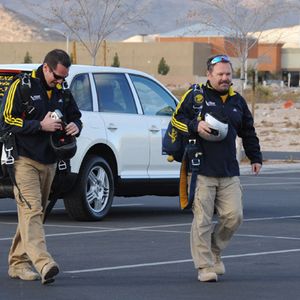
[(273, 168)]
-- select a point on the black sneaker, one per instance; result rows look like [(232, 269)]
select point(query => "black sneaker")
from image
[(48, 272)]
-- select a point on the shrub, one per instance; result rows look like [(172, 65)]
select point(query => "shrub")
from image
[(27, 58), (116, 61), (163, 68)]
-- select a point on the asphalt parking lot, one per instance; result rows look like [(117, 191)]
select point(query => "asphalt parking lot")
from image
[(141, 250)]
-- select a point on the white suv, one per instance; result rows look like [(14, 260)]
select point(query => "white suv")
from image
[(124, 113)]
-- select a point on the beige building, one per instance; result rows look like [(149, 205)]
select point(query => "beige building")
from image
[(277, 53), (186, 60)]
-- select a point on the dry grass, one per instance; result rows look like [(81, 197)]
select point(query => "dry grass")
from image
[(263, 94), (270, 95)]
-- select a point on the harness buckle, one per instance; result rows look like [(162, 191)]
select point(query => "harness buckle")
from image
[(65, 85), (30, 109), (25, 80), (192, 141), (62, 165), (196, 161), (9, 158)]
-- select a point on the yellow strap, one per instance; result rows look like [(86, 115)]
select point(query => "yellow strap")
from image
[(224, 98), (49, 93), (183, 193)]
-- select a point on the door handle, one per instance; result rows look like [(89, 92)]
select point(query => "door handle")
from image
[(112, 126), (153, 128)]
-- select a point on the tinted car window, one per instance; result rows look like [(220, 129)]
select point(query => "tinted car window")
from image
[(154, 99), (81, 90), (114, 94)]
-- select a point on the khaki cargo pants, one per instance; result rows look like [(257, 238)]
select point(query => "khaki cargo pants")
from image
[(29, 246), (224, 196)]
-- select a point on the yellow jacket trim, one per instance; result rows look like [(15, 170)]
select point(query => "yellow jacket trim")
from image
[(231, 91), (181, 100), (181, 126), (8, 118), (33, 74)]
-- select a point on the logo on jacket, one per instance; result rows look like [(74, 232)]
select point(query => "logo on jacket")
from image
[(173, 135), (210, 103), (198, 98), (197, 109), (35, 97)]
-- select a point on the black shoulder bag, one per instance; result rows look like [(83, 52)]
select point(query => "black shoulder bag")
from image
[(174, 142)]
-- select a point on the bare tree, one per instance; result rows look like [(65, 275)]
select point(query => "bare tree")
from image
[(91, 21), (237, 19)]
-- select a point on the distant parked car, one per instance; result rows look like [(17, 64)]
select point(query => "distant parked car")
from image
[(125, 113), (274, 83)]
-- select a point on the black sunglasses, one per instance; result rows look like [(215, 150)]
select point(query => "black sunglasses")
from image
[(57, 77)]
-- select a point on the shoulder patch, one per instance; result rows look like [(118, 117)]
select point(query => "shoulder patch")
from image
[(198, 98), (198, 93)]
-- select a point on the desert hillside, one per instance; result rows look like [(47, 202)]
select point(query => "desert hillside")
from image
[(19, 28)]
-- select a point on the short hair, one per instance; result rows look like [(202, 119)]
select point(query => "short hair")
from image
[(57, 56), (217, 59)]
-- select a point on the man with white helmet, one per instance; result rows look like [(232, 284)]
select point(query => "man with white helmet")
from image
[(216, 115)]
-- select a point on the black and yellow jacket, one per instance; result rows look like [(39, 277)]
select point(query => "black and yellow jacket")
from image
[(219, 158), (31, 142)]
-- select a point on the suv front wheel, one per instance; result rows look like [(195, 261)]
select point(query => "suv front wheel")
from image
[(93, 193)]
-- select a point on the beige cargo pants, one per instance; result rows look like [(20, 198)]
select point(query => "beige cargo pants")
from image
[(224, 196), (29, 246)]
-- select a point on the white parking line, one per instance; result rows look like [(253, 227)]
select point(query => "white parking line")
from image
[(156, 230), (273, 177), (62, 209), (125, 205), (271, 218), (176, 262), (268, 236), (242, 235), (141, 228), (7, 211), (99, 231), (270, 183)]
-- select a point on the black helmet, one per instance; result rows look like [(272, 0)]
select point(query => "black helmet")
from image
[(63, 145)]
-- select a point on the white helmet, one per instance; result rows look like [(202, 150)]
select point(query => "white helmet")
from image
[(218, 129)]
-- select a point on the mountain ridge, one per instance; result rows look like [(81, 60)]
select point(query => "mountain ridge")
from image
[(16, 27), (19, 24)]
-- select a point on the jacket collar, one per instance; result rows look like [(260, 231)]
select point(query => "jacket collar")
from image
[(40, 75), (230, 92)]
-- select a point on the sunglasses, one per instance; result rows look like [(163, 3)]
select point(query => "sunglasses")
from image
[(57, 77), (218, 59)]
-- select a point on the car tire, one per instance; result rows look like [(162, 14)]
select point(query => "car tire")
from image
[(92, 196)]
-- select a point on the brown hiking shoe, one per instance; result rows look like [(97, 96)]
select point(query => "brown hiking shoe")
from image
[(48, 272), (207, 275), (24, 273), (219, 265)]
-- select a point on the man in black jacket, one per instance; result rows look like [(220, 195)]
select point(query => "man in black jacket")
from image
[(32, 124), (216, 114)]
